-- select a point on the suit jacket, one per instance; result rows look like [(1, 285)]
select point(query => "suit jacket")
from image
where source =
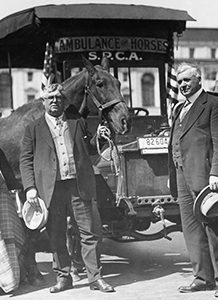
[(39, 161), (198, 144)]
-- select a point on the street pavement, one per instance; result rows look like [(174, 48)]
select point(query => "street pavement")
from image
[(151, 270)]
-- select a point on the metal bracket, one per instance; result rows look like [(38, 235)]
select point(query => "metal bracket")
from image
[(159, 212), (131, 212)]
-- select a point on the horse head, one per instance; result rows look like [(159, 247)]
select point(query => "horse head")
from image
[(95, 89)]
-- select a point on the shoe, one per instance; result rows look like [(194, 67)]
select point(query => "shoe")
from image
[(216, 294), (75, 275), (196, 286), (102, 286), (64, 283), (2, 292), (34, 277)]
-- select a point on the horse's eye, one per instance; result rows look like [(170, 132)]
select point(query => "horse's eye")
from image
[(99, 83)]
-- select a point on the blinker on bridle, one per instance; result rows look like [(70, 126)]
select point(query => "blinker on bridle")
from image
[(100, 107)]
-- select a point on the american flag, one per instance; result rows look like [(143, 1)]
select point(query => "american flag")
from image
[(48, 73), (172, 90)]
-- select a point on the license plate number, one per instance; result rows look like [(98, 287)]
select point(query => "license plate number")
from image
[(153, 142)]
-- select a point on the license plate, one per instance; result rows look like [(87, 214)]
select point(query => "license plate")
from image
[(153, 142)]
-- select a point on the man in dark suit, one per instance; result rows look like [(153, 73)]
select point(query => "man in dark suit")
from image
[(193, 164), (55, 166)]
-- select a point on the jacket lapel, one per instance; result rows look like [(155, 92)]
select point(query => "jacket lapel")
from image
[(196, 110), (72, 123), (45, 132), (174, 121)]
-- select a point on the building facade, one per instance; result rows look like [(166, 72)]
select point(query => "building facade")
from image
[(26, 84)]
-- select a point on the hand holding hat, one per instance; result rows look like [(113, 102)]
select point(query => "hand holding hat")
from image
[(206, 205), (34, 211), (32, 198), (213, 182)]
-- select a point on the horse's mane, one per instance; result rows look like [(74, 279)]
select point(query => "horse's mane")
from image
[(13, 127)]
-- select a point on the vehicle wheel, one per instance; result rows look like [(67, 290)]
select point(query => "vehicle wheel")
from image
[(136, 110)]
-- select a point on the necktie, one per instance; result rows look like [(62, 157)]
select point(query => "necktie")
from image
[(185, 109)]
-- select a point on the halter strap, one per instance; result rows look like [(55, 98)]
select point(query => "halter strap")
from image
[(99, 106), (97, 103)]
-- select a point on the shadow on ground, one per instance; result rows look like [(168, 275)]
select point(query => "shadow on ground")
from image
[(126, 263)]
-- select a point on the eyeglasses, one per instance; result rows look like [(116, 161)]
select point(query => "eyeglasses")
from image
[(57, 97)]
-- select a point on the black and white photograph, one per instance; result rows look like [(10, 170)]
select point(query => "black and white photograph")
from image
[(109, 149)]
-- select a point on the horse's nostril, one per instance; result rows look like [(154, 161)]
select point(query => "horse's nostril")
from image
[(124, 124), (123, 121)]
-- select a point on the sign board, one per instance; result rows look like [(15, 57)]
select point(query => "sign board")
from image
[(110, 43), (114, 47)]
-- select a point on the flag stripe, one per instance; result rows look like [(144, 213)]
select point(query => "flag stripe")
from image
[(172, 91), (48, 69)]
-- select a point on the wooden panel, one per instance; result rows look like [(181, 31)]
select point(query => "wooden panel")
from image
[(146, 175)]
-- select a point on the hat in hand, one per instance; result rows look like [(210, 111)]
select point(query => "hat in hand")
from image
[(206, 205), (35, 218)]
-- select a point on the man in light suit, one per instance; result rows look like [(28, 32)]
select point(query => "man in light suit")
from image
[(193, 164), (55, 166)]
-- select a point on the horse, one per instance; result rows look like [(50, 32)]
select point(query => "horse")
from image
[(93, 90)]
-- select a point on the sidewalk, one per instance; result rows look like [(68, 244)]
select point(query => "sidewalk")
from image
[(138, 271)]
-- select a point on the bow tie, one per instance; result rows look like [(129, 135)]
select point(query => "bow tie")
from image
[(59, 121)]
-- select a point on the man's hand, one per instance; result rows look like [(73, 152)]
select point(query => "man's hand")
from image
[(32, 198), (213, 182), (103, 132)]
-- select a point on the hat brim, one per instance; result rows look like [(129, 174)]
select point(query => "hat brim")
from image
[(197, 204), (32, 219)]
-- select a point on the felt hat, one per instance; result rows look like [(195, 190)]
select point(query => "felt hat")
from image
[(206, 205), (51, 90), (35, 219)]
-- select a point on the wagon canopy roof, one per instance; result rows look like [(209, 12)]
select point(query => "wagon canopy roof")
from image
[(27, 31), (89, 11)]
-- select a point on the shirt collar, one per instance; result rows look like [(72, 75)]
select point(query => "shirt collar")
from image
[(52, 119), (195, 96)]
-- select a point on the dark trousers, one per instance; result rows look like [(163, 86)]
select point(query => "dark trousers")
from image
[(66, 201), (201, 241)]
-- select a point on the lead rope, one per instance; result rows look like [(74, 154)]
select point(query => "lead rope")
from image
[(113, 150)]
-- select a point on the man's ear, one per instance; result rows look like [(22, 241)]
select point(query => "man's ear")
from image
[(199, 78)]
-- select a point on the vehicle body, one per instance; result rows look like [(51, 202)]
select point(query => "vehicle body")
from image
[(139, 42)]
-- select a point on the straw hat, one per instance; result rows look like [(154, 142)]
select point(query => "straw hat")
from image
[(206, 205), (35, 219)]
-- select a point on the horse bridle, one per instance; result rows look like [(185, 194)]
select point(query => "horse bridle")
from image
[(99, 106)]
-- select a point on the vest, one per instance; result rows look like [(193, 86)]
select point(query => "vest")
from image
[(177, 132)]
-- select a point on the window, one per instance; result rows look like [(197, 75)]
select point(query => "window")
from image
[(213, 52), (142, 88), (30, 98), (125, 76), (29, 76), (191, 52), (5, 90), (210, 75), (210, 72), (147, 89)]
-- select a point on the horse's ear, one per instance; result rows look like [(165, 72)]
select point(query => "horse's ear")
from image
[(89, 66), (105, 63)]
